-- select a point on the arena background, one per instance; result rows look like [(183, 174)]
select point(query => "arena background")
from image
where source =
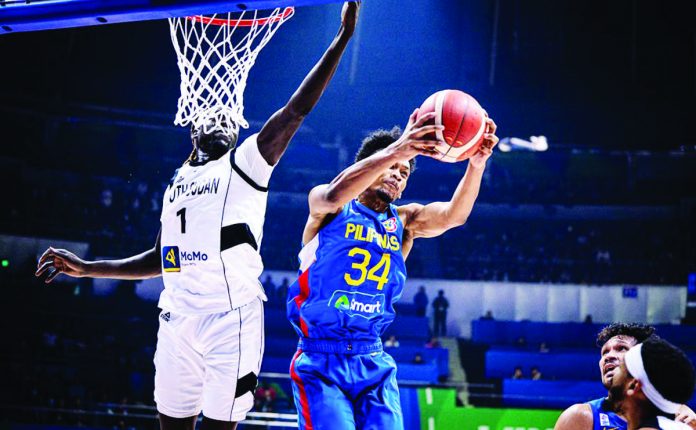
[(599, 228)]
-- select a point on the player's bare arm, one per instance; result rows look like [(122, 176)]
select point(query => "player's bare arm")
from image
[(435, 218), (275, 135), (142, 266), (329, 198), (576, 417)]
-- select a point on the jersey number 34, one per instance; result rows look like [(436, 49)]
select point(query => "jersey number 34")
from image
[(366, 272)]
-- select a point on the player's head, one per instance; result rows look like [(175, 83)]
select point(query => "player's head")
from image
[(615, 340), (213, 136), (389, 186), (656, 375)]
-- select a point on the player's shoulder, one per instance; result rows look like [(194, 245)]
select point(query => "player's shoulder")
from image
[(576, 417), (408, 211)]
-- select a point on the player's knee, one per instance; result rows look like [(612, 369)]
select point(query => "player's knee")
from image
[(211, 424), (171, 423)]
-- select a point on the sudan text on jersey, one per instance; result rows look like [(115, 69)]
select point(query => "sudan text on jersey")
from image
[(173, 259)]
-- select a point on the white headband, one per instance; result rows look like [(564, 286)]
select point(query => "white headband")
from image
[(634, 364)]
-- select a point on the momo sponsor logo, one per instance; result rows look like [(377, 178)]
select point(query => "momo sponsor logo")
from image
[(173, 258), (357, 304)]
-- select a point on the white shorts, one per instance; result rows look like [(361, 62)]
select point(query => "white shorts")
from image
[(209, 363)]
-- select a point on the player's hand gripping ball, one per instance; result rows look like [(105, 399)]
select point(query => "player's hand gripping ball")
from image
[(464, 120)]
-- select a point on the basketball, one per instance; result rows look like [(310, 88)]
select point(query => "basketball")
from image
[(464, 120)]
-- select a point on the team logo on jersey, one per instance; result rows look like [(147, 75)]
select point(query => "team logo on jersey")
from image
[(170, 259), (604, 420), (390, 224), (357, 304)]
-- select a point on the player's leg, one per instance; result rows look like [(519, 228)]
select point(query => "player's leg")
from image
[(179, 373), (211, 424), (170, 423), (377, 404), (316, 387), (233, 348)]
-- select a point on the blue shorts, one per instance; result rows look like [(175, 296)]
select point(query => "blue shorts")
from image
[(341, 385)]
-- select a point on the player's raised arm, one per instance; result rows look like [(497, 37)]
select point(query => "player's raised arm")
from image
[(142, 266), (275, 135), (435, 218), (330, 198)]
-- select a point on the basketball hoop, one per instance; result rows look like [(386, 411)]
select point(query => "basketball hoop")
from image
[(215, 54)]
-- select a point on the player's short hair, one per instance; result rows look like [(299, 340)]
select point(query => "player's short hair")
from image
[(669, 370), (639, 332), (378, 140)]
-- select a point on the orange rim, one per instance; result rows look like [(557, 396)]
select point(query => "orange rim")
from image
[(242, 22)]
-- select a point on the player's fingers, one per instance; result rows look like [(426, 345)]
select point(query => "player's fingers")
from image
[(47, 254), (426, 129), (52, 274), (491, 125), (429, 153), (40, 271), (490, 140), (412, 118), (427, 143), (425, 118)]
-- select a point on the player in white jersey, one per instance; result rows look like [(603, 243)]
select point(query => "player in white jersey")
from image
[(210, 341), (651, 383)]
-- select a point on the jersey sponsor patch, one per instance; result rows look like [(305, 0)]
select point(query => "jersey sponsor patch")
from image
[(604, 420), (390, 224), (356, 304), (170, 259)]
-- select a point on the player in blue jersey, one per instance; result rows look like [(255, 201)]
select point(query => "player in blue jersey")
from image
[(353, 271), (604, 413)]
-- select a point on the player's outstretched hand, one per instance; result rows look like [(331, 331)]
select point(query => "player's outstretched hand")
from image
[(349, 15), (57, 261), (478, 160), (418, 138), (686, 416)]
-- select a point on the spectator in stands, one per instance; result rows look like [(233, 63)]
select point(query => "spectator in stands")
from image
[(434, 342), (536, 374), (543, 348), (440, 305), (392, 342), (282, 289), (418, 359), (488, 315), (588, 319), (420, 301), (517, 374), (270, 288), (265, 397)]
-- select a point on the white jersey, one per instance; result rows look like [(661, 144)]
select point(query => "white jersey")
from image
[(212, 225)]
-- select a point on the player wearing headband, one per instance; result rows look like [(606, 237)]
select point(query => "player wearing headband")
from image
[(599, 414)]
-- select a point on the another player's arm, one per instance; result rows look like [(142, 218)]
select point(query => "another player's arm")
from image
[(686, 416), (576, 417), (275, 135), (142, 266), (436, 218)]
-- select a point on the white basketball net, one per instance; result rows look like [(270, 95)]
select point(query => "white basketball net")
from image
[(215, 54)]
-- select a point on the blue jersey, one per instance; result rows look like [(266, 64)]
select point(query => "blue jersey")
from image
[(604, 418), (351, 274)]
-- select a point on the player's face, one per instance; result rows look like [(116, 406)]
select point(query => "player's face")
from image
[(619, 383), (612, 356), (213, 138), (392, 182)]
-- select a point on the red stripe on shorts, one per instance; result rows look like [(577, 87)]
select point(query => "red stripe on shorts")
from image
[(302, 297), (304, 403)]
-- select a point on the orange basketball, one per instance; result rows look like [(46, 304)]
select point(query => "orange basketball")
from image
[(464, 120)]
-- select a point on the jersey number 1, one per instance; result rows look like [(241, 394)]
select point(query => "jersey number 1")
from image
[(384, 264), (182, 213)]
